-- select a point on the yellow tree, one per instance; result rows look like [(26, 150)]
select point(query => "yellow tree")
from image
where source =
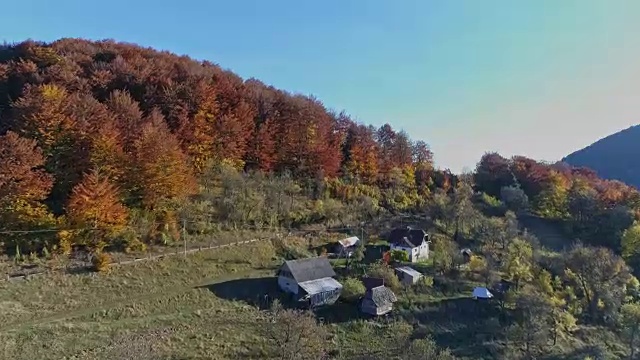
[(162, 170), (552, 201), (95, 207), (519, 262)]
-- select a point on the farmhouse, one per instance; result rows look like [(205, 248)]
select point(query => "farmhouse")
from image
[(310, 281), (407, 275), (415, 242), (378, 299), (346, 247)]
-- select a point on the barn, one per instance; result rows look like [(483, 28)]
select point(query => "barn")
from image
[(310, 281)]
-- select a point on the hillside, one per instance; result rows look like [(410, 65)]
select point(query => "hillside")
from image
[(95, 125), (147, 194), (613, 157)]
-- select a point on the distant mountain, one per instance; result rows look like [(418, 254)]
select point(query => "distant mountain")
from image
[(616, 156)]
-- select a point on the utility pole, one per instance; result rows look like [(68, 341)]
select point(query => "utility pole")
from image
[(184, 236)]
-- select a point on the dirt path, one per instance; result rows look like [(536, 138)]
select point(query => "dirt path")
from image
[(122, 302)]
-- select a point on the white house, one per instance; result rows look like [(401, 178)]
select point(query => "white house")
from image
[(415, 242), (310, 280)]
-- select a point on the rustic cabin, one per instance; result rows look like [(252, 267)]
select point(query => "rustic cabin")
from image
[(378, 299)]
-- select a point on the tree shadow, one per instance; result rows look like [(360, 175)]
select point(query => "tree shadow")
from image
[(339, 313), (374, 253), (259, 292), (79, 270), (468, 327)]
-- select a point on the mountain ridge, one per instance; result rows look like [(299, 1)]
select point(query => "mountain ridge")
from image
[(612, 157)]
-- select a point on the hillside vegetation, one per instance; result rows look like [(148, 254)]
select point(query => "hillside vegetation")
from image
[(110, 148), (612, 157)]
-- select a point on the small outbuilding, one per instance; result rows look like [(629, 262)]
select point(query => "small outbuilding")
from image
[(310, 280), (346, 247), (466, 254), (378, 301), (482, 293), (407, 275)]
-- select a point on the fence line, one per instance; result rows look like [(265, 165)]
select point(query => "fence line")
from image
[(10, 278), (185, 252)]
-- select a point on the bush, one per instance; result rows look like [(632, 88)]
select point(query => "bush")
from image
[(101, 261), (352, 289), (477, 264), (64, 245), (387, 274), (399, 256)]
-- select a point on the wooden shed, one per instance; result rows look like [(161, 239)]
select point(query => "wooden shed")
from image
[(407, 275)]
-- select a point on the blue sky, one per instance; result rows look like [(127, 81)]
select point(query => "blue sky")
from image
[(539, 78)]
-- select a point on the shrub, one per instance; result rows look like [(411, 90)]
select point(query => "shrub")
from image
[(101, 261), (64, 242), (387, 274), (477, 264), (352, 289), (399, 256)]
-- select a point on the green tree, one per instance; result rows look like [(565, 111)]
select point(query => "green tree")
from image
[(387, 274), (399, 256), (352, 289), (464, 213), (630, 244), (358, 254), (630, 322), (445, 254), (518, 264), (530, 332), (294, 334), (514, 198), (601, 276), (561, 320)]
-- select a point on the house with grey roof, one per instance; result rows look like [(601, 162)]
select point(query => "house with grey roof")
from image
[(378, 299), (415, 242), (310, 280)]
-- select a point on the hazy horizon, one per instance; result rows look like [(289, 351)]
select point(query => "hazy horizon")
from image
[(540, 79)]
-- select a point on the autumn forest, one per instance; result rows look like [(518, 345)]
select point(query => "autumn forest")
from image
[(96, 135)]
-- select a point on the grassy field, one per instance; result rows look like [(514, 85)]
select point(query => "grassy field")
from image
[(162, 304), (203, 306), (208, 306)]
